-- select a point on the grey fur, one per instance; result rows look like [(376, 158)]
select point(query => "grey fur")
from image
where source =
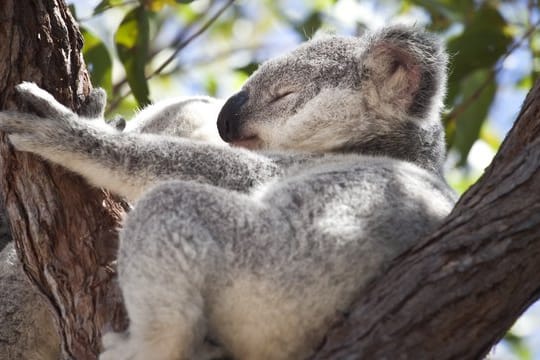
[(28, 328), (93, 106), (258, 251)]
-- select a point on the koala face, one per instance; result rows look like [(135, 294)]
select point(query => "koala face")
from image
[(334, 93)]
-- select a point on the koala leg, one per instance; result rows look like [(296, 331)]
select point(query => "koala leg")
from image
[(172, 247)]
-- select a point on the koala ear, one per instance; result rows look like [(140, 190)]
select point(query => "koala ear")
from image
[(405, 68)]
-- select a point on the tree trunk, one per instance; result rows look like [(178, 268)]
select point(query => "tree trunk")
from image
[(457, 292), (65, 231)]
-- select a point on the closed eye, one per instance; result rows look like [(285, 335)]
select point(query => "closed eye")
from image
[(281, 96)]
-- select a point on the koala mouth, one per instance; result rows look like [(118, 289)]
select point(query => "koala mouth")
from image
[(251, 143)]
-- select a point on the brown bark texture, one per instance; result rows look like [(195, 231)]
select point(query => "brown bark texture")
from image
[(455, 294), (64, 230)]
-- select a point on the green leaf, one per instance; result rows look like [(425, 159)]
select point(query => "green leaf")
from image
[(446, 11), (184, 1), (211, 85), (131, 40), (321, 5), (239, 79), (525, 83), (518, 346), (490, 138), (471, 118), (480, 46), (249, 68), (73, 11), (309, 26), (106, 5), (98, 60)]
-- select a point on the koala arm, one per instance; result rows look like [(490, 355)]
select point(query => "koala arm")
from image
[(125, 163)]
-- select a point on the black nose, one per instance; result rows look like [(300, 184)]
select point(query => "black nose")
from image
[(229, 119)]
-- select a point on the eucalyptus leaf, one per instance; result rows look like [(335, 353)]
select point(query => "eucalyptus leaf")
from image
[(98, 60), (309, 26), (105, 5), (132, 41), (473, 115), (480, 46)]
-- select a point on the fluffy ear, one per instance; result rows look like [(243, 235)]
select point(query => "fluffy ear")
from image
[(405, 68)]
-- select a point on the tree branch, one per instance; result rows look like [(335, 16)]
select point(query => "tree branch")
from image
[(178, 47), (466, 103), (456, 293)]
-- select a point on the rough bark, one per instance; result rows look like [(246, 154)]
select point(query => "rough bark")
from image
[(28, 330), (456, 294), (65, 231)]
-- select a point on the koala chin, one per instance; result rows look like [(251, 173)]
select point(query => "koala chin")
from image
[(251, 253)]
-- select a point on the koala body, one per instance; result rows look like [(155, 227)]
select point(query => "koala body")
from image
[(259, 251)]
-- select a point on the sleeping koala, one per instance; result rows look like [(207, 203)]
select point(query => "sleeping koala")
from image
[(258, 251)]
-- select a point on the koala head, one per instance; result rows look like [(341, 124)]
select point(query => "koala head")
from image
[(377, 94)]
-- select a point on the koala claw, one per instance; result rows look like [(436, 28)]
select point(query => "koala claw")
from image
[(93, 106)]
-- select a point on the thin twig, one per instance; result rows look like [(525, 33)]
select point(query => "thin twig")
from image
[(196, 34), (202, 61), (108, 7), (458, 110), (177, 40), (181, 46)]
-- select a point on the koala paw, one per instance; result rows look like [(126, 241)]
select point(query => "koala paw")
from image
[(93, 105), (116, 346), (50, 128), (28, 132), (119, 346), (41, 101)]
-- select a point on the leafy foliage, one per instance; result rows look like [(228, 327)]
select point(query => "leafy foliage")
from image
[(98, 60), (131, 40)]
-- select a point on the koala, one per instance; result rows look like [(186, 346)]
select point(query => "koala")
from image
[(252, 250)]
